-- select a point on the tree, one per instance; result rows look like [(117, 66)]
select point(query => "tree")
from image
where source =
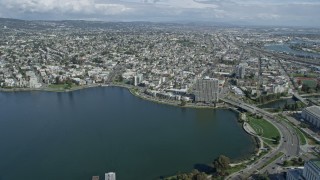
[(222, 163), (262, 177), (68, 84), (183, 102), (194, 175), (200, 176), (277, 139), (286, 106), (306, 88), (318, 87)]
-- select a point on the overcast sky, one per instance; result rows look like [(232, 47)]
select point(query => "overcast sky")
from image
[(252, 12)]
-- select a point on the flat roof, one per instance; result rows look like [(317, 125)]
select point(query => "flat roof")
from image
[(314, 109)]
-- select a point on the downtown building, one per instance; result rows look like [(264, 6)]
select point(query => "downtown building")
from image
[(207, 90), (311, 171), (241, 70), (137, 79), (312, 115)]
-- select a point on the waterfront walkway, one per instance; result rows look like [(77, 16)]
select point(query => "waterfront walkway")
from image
[(252, 132)]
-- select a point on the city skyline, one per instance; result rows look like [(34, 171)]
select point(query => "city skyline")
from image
[(92, 88), (240, 12)]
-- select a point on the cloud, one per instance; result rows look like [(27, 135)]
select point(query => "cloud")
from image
[(186, 4), (63, 6), (266, 12)]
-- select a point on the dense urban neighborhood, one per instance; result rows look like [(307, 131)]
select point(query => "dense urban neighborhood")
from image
[(270, 75)]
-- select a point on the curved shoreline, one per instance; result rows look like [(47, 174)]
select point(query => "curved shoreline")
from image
[(129, 88), (133, 91), (48, 89)]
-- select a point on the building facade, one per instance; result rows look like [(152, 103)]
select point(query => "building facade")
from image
[(295, 174), (312, 115), (207, 90), (311, 170)]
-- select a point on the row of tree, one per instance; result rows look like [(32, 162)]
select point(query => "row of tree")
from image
[(293, 107), (220, 166), (194, 175), (294, 162), (309, 89), (270, 97)]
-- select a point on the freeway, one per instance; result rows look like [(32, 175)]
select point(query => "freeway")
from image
[(289, 143), (280, 55)]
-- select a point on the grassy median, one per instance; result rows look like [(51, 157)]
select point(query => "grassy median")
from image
[(271, 160)]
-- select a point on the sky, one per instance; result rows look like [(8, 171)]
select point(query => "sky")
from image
[(239, 12)]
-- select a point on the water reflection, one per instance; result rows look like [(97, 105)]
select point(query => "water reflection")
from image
[(71, 99)]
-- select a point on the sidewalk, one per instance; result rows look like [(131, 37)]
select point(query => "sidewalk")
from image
[(252, 132)]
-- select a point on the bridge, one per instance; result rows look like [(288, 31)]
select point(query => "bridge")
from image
[(289, 143), (297, 96), (247, 107)]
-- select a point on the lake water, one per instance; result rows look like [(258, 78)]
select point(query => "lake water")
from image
[(286, 48), (76, 135)]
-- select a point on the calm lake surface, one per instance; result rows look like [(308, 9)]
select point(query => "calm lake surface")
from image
[(286, 48), (76, 135)]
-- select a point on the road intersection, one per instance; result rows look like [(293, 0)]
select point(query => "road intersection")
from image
[(288, 145)]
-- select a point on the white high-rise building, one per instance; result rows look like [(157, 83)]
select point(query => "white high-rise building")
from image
[(137, 79), (110, 176), (207, 90), (241, 70)]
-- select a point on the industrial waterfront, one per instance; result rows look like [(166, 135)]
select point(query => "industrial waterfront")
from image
[(88, 132)]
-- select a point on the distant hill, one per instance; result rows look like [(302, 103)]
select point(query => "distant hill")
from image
[(82, 24)]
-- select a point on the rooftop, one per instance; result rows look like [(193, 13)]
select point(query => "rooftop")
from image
[(314, 110)]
